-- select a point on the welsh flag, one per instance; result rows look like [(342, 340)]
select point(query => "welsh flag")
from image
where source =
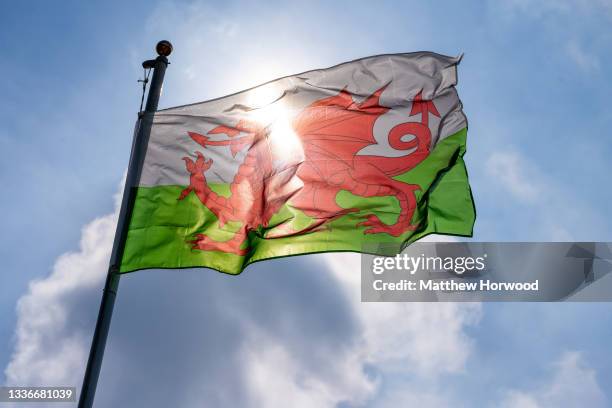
[(366, 152)]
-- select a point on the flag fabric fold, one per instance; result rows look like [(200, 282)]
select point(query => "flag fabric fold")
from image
[(369, 151)]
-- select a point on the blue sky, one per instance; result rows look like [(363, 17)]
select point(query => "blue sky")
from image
[(535, 85)]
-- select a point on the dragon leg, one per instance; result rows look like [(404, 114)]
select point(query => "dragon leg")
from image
[(318, 200), (385, 186), (219, 205)]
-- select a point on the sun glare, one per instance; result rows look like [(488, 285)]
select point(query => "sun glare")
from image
[(269, 109), (284, 141)]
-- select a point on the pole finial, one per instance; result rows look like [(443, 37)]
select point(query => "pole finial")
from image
[(163, 48)]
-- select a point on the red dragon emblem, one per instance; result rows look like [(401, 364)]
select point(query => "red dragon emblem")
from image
[(331, 131)]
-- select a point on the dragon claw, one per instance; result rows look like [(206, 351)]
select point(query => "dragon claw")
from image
[(189, 164), (376, 226), (195, 168), (374, 223), (199, 241), (202, 164), (204, 243), (185, 193)]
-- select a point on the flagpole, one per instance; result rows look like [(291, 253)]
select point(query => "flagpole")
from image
[(139, 146)]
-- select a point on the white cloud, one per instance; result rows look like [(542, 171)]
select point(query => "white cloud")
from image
[(515, 174), (551, 210), (573, 384), (586, 61), (49, 347), (417, 345), (571, 24), (273, 377)]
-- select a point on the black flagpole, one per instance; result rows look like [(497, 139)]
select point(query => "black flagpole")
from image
[(139, 147)]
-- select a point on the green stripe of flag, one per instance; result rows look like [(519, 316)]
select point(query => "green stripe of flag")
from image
[(161, 225)]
